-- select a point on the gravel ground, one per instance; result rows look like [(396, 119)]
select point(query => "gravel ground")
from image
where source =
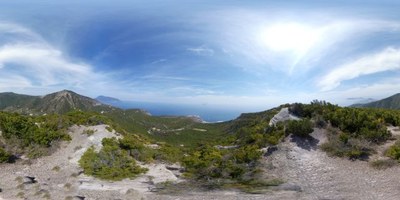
[(302, 164)]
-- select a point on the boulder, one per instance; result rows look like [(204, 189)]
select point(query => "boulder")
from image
[(78, 197), (29, 180)]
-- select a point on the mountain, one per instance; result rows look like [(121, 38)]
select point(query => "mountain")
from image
[(12, 101), (64, 101), (106, 99), (358, 102), (58, 102), (392, 102)]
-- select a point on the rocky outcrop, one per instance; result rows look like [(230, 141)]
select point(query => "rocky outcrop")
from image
[(283, 115)]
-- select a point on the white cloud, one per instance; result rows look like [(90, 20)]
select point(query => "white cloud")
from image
[(42, 63), (28, 64), (14, 28), (10, 82), (388, 59), (158, 61), (244, 32), (378, 90), (201, 50)]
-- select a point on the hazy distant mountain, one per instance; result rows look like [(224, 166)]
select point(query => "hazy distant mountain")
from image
[(58, 102), (392, 102), (108, 100), (358, 101)]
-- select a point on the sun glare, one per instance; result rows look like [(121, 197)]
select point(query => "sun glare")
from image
[(289, 37)]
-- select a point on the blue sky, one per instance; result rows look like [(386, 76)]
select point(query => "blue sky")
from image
[(237, 54)]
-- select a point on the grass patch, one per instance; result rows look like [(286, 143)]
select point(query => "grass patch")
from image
[(77, 148), (383, 164), (394, 151), (251, 187), (56, 168), (21, 195), (342, 145), (89, 132), (21, 186), (19, 179), (67, 186), (254, 186)]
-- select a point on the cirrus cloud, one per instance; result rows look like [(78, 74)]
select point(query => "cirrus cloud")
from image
[(386, 60), (28, 62)]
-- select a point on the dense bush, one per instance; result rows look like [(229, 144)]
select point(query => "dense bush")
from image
[(110, 163), (301, 128), (212, 163), (394, 151), (4, 156), (29, 131)]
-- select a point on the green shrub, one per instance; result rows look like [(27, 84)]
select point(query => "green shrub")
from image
[(4, 156), (28, 131), (301, 128), (394, 151), (110, 163), (89, 132), (343, 146), (212, 163)]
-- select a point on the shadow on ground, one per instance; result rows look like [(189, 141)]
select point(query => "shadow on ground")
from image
[(308, 143)]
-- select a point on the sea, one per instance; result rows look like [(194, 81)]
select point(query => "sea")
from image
[(205, 112)]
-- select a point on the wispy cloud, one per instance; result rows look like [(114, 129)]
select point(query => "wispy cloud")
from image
[(18, 32), (158, 61), (44, 64), (29, 62), (388, 59), (202, 50)]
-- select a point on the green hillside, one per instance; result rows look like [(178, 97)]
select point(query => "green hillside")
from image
[(392, 102)]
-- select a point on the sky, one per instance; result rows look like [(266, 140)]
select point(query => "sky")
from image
[(235, 54)]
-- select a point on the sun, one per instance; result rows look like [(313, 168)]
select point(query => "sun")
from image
[(289, 37)]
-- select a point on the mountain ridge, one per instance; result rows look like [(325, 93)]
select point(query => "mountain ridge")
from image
[(391, 102), (58, 102)]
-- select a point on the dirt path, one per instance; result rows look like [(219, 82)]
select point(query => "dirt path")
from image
[(318, 176)]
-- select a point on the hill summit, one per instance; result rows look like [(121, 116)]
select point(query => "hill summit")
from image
[(58, 102)]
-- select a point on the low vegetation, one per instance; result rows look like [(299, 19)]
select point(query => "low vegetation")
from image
[(30, 135), (301, 128), (354, 132), (110, 163), (394, 151), (220, 155), (4, 156)]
